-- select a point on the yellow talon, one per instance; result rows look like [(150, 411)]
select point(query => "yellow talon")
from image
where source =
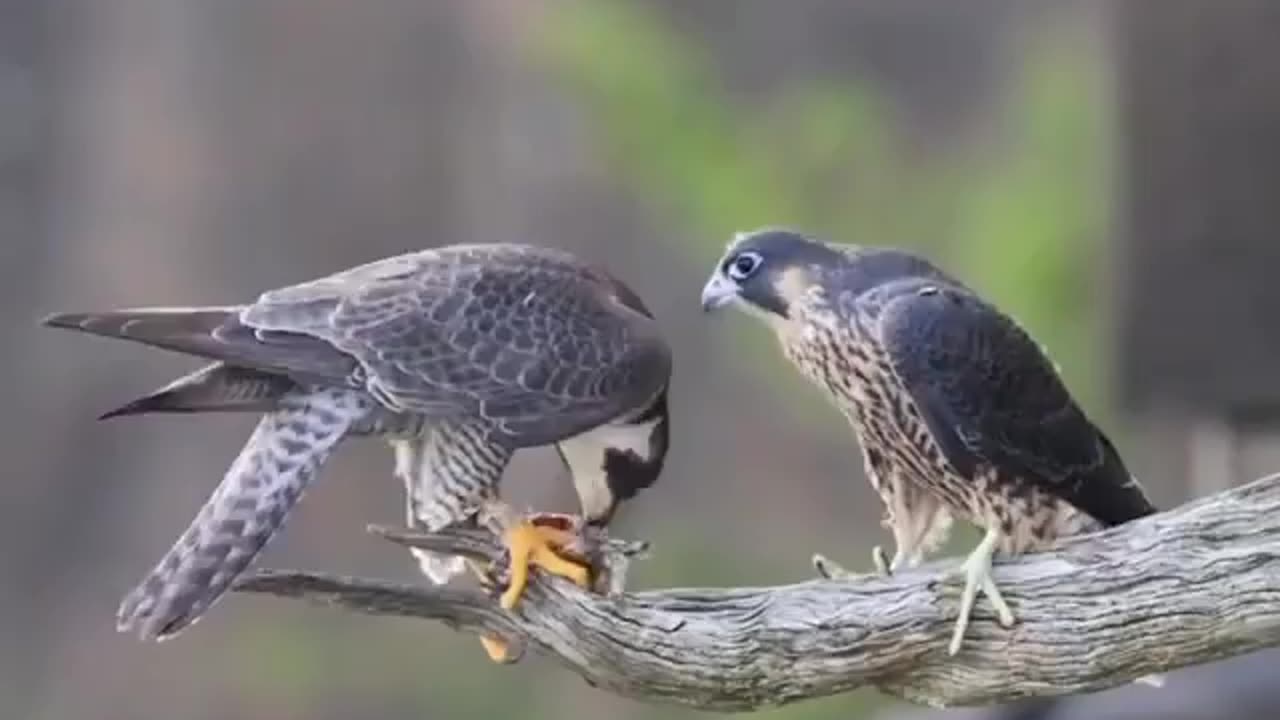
[(535, 546), (496, 649)]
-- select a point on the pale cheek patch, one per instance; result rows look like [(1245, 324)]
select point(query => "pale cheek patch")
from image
[(754, 310), (792, 285)]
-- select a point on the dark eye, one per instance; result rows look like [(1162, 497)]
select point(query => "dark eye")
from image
[(742, 266)]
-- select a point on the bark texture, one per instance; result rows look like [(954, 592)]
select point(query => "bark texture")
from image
[(1191, 585)]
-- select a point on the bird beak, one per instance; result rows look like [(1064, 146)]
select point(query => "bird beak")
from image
[(718, 291)]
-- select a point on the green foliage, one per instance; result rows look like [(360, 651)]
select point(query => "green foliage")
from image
[(1031, 225), (1017, 215), (674, 141)]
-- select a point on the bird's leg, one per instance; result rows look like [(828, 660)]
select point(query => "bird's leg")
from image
[(830, 569), (528, 545), (884, 566), (892, 491), (539, 540), (546, 540), (879, 558), (497, 649), (917, 520), (977, 570), (905, 542), (907, 553)]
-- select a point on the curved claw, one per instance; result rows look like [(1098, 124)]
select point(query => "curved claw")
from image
[(537, 545), (829, 569), (498, 650), (535, 541), (880, 559)]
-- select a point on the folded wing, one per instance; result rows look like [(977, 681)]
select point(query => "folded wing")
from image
[(990, 397)]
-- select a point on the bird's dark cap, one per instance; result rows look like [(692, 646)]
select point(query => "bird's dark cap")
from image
[(781, 242)]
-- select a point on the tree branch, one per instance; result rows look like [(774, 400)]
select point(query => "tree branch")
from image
[(1197, 583)]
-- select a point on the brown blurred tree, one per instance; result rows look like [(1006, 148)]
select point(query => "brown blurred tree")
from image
[(1200, 121)]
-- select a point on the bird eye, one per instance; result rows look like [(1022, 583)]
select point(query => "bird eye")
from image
[(742, 266)]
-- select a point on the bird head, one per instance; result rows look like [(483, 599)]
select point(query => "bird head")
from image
[(767, 271)]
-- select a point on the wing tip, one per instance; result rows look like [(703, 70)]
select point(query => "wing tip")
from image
[(141, 406), (165, 401), (68, 320)]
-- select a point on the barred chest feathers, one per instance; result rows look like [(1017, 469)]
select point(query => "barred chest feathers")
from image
[(830, 351)]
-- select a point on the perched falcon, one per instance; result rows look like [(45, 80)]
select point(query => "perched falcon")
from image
[(957, 410), (459, 356)]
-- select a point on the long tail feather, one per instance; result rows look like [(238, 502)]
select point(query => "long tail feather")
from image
[(179, 329), (244, 512), (216, 333)]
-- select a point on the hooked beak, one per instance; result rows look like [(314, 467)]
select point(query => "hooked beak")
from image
[(718, 292)]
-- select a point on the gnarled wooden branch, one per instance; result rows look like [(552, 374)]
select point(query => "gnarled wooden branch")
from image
[(1197, 583)]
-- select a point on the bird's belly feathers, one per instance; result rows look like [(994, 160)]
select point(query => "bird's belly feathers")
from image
[(385, 423), (1027, 517)]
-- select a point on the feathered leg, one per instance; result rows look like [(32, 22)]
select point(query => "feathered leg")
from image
[(919, 523), (457, 475), (415, 471)]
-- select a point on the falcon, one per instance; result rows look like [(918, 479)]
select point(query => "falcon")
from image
[(958, 411), (458, 356)]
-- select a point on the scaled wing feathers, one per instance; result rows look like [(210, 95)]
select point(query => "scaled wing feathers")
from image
[(990, 397), (528, 338), (531, 339)]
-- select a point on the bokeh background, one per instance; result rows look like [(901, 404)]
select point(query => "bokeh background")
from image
[(1104, 170)]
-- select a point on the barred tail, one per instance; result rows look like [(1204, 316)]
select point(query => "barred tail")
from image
[(244, 512)]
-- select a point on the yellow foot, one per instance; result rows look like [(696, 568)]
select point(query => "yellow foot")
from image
[(496, 649), (536, 545)]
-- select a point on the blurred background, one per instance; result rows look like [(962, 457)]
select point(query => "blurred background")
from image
[(1106, 171)]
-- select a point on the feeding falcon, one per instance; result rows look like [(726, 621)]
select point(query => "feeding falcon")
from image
[(459, 356), (957, 410)]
